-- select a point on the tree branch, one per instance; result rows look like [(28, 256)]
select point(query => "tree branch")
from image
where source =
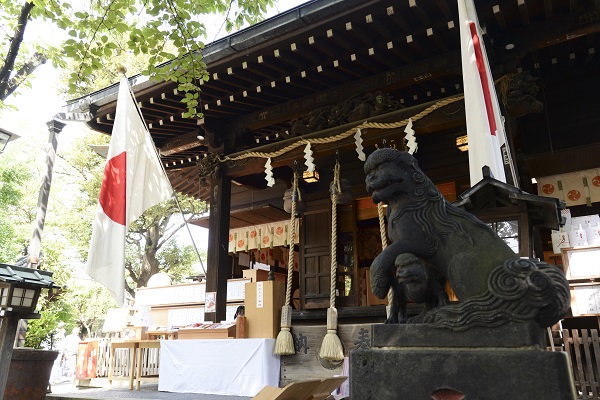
[(13, 51), (36, 60)]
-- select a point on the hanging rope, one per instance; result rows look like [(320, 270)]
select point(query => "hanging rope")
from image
[(384, 244), (344, 135), (284, 346), (382, 226), (332, 348)]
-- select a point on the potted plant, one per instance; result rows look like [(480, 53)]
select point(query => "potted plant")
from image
[(31, 366)]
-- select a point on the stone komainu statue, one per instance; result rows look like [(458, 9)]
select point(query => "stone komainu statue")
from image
[(415, 281), (492, 284)]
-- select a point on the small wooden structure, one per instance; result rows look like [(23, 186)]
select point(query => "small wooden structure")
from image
[(524, 214)]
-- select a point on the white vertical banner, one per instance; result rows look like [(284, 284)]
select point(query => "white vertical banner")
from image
[(260, 293), (133, 182), (485, 127)]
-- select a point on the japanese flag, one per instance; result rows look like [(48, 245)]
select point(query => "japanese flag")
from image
[(485, 129), (134, 181)]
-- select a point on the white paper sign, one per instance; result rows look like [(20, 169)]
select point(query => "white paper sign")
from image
[(259, 295), (560, 240), (210, 306)]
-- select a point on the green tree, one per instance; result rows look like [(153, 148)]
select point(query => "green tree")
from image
[(88, 305), (11, 180), (19, 184), (150, 248), (41, 333), (163, 30)]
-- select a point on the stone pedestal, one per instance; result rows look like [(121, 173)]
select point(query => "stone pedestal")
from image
[(415, 361)]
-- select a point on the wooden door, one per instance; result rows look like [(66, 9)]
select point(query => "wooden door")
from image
[(315, 268)]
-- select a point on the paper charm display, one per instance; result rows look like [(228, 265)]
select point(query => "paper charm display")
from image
[(359, 147), (269, 173), (308, 158), (411, 140)]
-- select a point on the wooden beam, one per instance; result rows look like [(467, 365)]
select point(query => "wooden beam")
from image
[(218, 263), (437, 121), (422, 15), (395, 78), (562, 161), (443, 6), (499, 16), (523, 11), (181, 143), (548, 9)]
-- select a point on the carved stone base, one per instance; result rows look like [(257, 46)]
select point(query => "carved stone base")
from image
[(460, 365)]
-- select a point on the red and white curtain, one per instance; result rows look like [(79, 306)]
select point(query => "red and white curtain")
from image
[(261, 236), (575, 188)]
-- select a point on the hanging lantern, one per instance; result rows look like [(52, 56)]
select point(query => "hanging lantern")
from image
[(287, 201), (310, 176)]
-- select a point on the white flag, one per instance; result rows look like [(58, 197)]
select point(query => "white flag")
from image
[(133, 182), (485, 129)]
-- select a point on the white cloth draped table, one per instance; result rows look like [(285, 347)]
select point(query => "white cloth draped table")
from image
[(237, 367)]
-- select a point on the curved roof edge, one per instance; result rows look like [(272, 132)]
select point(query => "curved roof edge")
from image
[(288, 21)]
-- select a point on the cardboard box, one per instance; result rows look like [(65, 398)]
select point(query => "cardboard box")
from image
[(141, 332), (263, 308), (260, 275), (240, 327), (316, 389)]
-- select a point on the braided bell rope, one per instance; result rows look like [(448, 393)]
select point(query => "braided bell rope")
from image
[(284, 344), (334, 196), (295, 195), (382, 231), (331, 347)]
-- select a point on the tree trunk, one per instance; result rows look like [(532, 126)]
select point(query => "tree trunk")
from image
[(9, 84)]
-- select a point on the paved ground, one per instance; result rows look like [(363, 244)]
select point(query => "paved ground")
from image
[(67, 391)]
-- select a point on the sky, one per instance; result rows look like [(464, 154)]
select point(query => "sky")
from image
[(37, 105)]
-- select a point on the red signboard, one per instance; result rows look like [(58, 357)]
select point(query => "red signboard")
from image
[(87, 360)]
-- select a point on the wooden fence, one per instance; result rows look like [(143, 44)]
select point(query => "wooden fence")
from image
[(583, 348), (145, 358)]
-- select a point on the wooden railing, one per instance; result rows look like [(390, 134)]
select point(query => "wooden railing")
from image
[(144, 355), (583, 348)]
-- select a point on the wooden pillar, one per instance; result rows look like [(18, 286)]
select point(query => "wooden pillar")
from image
[(35, 244), (54, 127), (8, 331), (218, 268)]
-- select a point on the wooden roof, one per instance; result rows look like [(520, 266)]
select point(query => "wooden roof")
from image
[(327, 51), (250, 216)]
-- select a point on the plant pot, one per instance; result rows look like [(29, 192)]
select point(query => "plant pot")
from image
[(29, 374)]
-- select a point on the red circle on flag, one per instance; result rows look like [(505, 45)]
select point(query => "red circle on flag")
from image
[(548, 188), (114, 186), (574, 195), (596, 181)]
